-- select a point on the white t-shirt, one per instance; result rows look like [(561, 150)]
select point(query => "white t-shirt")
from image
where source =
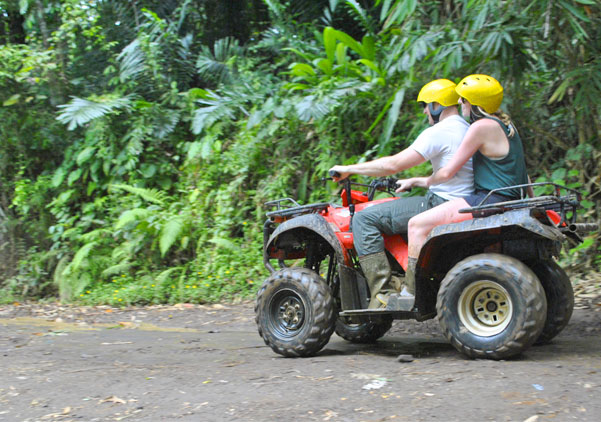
[(437, 144)]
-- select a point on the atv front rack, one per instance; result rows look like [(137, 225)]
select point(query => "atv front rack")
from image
[(284, 213), (562, 204)]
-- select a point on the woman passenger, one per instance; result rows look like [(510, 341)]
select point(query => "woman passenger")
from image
[(498, 161)]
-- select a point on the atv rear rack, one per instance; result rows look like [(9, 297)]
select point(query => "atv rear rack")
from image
[(562, 204)]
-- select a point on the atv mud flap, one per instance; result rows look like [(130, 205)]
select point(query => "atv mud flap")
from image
[(353, 288)]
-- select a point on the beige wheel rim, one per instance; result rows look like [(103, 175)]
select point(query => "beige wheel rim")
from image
[(485, 308)]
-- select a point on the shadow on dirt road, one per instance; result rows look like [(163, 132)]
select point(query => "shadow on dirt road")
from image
[(193, 363)]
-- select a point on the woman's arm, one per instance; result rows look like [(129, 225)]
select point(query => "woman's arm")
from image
[(476, 136)]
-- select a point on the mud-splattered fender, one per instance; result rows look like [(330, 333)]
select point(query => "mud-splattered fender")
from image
[(519, 218), (517, 233), (312, 222), (515, 226)]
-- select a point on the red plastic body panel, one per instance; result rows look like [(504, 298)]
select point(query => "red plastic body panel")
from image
[(555, 217), (346, 239), (357, 197), (397, 246), (339, 219)]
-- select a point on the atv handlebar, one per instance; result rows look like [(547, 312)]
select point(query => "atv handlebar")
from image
[(386, 184)]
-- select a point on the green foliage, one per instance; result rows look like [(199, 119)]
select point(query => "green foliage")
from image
[(218, 66), (136, 156), (80, 111)]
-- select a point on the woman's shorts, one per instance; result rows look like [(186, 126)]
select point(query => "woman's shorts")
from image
[(476, 198)]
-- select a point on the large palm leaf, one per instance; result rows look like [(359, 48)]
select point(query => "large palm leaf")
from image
[(218, 66), (80, 111)]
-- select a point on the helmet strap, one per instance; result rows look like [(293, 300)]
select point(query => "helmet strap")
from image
[(435, 113)]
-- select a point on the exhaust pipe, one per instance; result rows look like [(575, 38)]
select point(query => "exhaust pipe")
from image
[(583, 228)]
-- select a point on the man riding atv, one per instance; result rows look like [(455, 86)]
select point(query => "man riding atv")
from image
[(438, 143), (492, 280)]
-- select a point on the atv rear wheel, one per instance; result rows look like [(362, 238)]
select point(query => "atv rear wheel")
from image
[(491, 306), (294, 312), (366, 332), (560, 298)]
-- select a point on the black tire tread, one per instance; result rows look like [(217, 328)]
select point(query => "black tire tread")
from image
[(364, 333), (560, 298), (321, 302)]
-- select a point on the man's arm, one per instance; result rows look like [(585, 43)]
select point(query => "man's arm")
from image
[(384, 166), (472, 141)]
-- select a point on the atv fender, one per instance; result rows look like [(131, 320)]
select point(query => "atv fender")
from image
[(514, 233), (521, 219), (512, 228), (291, 233)]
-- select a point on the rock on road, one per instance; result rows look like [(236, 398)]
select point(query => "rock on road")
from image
[(207, 363)]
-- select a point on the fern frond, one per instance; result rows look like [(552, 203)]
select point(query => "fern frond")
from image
[(130, 216), (80, 111), (79, 257), (117, 269), (164, 276), (94, 235), (72, 284), (224, 243), (131, 61), (151, 195), (170, 233), (124, 251), (62, 264)]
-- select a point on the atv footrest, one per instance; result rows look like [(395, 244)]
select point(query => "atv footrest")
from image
[(378, 312)]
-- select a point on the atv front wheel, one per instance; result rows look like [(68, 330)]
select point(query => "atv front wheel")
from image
[(364, 333), (560, 298), (295, 312), (491, 306)]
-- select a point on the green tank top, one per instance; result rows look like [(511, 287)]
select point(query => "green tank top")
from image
[(510, 170)]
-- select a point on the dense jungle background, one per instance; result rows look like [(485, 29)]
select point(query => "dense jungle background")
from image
[(139, 139)]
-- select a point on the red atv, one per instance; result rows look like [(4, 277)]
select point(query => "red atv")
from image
[(491, 280)]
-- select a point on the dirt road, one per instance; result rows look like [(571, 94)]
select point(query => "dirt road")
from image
[(207, 363)]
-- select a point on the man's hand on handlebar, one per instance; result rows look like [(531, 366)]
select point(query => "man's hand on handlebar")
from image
[(405, 185), (339, 173)]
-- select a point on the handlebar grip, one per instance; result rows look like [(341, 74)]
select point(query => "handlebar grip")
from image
[(334, 173)]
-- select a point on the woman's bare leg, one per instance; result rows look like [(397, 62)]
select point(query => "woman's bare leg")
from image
[(422, 224)]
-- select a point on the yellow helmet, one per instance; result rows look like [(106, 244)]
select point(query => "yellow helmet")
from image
[(441, 91), (481, 90)]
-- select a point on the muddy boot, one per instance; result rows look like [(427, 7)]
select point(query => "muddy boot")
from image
[(405, 300), (376, 268), (394, 286)]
